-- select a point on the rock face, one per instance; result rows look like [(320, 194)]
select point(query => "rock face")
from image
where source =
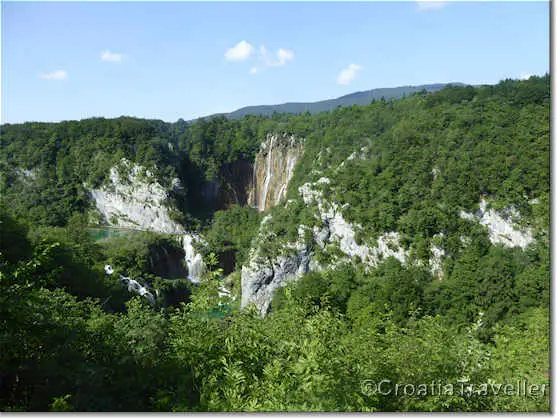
[(135, 200), (502, 229), (273, 169), (262, 275), (337, 230), (236, 183), (436, 259), (261, 278)]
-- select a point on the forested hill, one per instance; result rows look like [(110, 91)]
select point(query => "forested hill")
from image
[(357, 98), (44, 165), (404, 242)]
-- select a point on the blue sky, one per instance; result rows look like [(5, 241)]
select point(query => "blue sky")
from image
[(176, 60)]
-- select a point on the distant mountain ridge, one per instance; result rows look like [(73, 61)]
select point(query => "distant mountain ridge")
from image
[(357, 98)]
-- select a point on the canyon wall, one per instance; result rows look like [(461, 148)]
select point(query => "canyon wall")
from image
[(133, 198), (273, 169), (263, 275)]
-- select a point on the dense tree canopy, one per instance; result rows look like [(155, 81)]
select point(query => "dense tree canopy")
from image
[(73, 338)]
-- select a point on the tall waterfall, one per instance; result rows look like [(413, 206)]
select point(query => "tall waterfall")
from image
[(194, 260), (273, 168), (268, 174)]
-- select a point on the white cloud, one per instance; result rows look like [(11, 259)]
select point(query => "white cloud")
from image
[(55, 75), (106, 55), (525, 76), (426, 5), (348, 74), (243, 50), (282, 56), (239, 52)]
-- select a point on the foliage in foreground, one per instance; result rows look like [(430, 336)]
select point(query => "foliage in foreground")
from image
[(59, 352)]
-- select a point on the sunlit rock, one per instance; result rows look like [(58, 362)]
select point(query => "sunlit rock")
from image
[(135, 199), (264, 274), (502, 228), (273, 169)]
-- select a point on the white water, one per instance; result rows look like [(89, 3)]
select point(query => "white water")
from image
[(265, 189), (225, 292), (291, 160), (133, 285), (194, 260)]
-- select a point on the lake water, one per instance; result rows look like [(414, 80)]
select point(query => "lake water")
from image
[(101, 233)]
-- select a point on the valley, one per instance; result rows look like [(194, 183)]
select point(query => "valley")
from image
[(276, 261)]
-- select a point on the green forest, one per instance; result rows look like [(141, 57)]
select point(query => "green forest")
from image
[(345, 338)]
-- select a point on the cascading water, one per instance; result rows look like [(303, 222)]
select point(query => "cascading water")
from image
[(272, 170), (268, 174), (194, 260), (133, 285)]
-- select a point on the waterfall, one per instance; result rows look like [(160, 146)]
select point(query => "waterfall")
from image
[(268, 174), (133, 285), (273, 168), (194, 260), (291, 160)]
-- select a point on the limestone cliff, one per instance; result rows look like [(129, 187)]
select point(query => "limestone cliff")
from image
[(501, 226), (262, 275), (134, 198), (273, 169), (236, 183)]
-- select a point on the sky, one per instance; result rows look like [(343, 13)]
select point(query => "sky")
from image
[(66, 60)]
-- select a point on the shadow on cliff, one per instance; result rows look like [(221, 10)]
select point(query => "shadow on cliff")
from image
[(203, 197)]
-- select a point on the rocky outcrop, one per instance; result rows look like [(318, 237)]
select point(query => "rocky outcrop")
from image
[(135, 199), (502, 227), (437, 256), (263, 275), (339, 231), (273, 169)]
